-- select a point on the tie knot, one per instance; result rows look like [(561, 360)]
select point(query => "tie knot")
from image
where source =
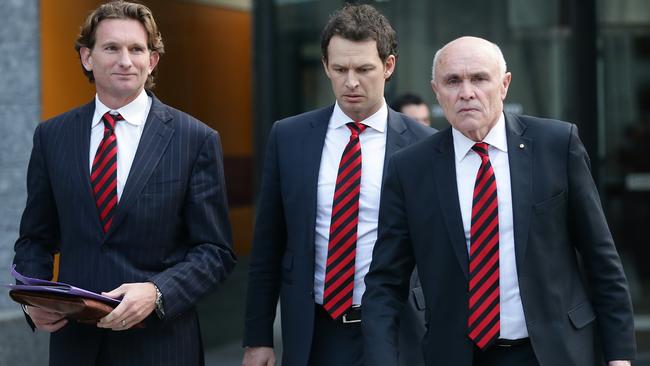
[(356, 127), (111, 119), (481, 149)]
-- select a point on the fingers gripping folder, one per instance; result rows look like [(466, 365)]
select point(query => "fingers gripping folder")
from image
[(76, 303)]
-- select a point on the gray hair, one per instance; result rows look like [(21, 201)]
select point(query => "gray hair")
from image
[(495, 48)]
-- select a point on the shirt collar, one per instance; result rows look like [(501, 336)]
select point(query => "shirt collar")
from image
[(495, 138), (377, 121), (134, 113)]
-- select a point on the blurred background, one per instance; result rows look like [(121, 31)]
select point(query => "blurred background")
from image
[(239, 65)]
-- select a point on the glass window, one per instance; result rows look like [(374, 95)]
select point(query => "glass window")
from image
[(624, 32)]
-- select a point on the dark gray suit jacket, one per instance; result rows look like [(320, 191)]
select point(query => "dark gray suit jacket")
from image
[(571, 282), (282, 260), (170, 227)]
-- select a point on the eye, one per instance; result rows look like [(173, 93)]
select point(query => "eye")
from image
[(479, 78), (110, 48), (453, 81), (137, 49)]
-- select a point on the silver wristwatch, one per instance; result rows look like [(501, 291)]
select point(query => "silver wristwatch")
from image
[(160, 311)]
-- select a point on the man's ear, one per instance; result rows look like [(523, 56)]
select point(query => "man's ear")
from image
[(434, 87), (327, 72), (389, 66), (154, 57), (86, 58), (505, 83)]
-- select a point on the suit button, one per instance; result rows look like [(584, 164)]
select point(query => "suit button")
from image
[(103, 248)]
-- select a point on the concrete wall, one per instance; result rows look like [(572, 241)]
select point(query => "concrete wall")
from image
[(19, 115)]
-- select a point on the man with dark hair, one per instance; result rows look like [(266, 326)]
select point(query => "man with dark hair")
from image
[(317, 216), (502, 217), (131, 193), (413, 106)]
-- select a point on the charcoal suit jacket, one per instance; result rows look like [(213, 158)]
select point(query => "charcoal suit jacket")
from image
[(573, 290)]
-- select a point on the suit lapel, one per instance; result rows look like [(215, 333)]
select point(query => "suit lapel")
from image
[(396, 136), (81, 133), (153, 142), (312, 151), (520, 150), (445, 177)]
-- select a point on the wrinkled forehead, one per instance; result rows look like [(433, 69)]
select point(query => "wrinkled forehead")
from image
[(467, 58)]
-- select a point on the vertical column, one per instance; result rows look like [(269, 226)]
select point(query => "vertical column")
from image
[(584, 110), (264, 96), (19, 115)]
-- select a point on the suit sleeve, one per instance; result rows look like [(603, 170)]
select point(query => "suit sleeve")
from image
[(387, 282), (590, 232), (210, 258), (39, 236), (269, 243)]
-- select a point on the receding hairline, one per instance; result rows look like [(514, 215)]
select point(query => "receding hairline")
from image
[(496, 51)]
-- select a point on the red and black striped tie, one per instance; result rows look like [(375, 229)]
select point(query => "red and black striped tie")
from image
[(484, 320), (342, 247), (104, 172)]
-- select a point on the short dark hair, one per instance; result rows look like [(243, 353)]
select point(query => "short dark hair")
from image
[(406, 99), (360, 23), (120, 10)]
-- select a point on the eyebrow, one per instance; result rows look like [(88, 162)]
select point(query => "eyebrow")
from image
[(356, 67), (483, 74), (113, 43)]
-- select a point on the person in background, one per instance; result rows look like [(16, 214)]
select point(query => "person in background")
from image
[(413, 106)]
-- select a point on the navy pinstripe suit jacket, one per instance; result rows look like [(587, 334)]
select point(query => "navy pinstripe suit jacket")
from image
[(170, 227)]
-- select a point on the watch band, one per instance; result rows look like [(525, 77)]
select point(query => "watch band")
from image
[(160, 310)]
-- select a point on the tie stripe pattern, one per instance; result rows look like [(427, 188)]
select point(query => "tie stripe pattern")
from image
[(103, 176), (341, 250), (484, 319)]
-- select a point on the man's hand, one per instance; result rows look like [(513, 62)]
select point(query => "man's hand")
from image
[(46, 320), (138, 301), (258, 356), (619, 363)]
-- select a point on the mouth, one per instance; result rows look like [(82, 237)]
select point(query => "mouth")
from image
[(467, 110), (352, 97)]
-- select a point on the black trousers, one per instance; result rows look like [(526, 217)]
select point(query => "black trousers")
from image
[(516, 355), (335, 343)]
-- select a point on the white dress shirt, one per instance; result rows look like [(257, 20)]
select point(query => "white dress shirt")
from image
[(513, 323), (373, 150), (127, 133)]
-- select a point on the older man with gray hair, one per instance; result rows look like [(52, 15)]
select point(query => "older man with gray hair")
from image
[(502, 218)]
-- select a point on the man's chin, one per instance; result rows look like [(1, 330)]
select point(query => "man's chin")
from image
[(350, 109), (464, 124)]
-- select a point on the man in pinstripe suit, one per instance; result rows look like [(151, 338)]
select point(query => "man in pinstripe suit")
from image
[(131, 192)]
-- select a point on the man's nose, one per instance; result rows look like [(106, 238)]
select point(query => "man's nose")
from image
[(466, 90), (351, 80), (124, 59)]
